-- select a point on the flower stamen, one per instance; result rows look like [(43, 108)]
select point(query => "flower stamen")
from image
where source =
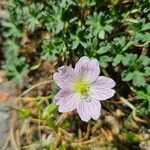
[(81, 87)]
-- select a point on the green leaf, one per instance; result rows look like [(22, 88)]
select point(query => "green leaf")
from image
[(127, 76), (117, 59), (25, 113), (32, 24), (145, 61), (146, 37), (127, 45), (51, 122), (142, 95), (65, 124), (75, 44), (104, 49), (83, 44), (11, 29), (108, 28), (62, 147), (59, 26), (138, 79), (121, 41), (129, 59), (146, 27), (148, 90), (49, 110), (147, 71), (104, 60), (36, 66), (47, 115), (132, 138), (101, 34)]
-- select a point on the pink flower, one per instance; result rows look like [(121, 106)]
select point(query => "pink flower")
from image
[(82, 88)]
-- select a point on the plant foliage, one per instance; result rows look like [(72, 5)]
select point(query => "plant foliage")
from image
[(116, 32)]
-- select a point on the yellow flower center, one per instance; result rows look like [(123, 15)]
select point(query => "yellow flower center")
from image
[(81, 87)]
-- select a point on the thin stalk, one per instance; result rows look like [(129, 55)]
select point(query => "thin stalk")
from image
[(35, 86)]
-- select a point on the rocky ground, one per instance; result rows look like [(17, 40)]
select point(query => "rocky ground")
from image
[(7, 101), (7, 92)]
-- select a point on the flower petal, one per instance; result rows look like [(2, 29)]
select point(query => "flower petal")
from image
[(64, 77), (81, 65), (88, 110), (68, 103), (104, 82), (87, 69), (94, 109), (83, 111), (101, 94), (101, 88), (61, 94)]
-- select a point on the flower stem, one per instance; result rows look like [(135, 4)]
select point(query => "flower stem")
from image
[(36, 85), (126, 102)]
